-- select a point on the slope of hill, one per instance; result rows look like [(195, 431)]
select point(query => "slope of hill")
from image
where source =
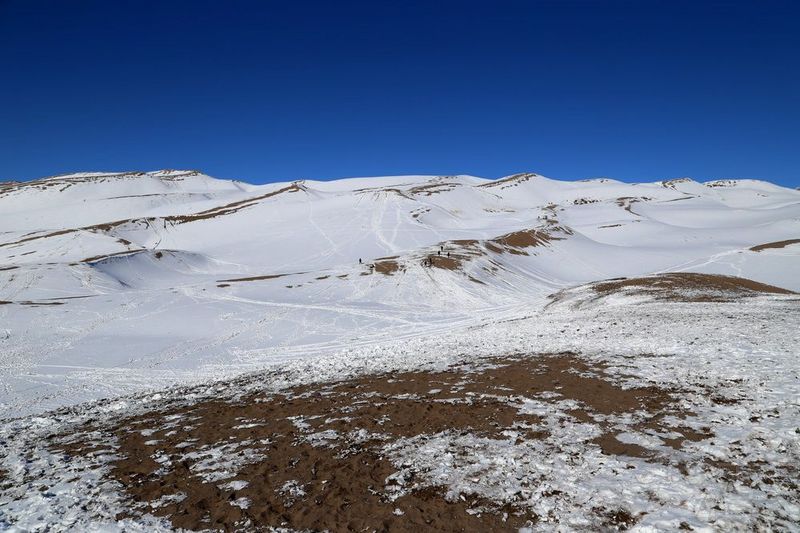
[(398, 353), (192, 277)]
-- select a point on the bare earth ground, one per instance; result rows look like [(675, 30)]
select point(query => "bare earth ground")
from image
[(679, 287), (320, 457), (316, 456), (697, 434)]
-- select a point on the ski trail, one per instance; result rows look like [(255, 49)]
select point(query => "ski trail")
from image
[(377, 223), (699, 263), (334, 247)]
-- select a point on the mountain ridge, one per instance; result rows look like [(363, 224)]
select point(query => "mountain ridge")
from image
[(166, 173)]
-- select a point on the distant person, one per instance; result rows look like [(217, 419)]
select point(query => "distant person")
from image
[(359, 260)]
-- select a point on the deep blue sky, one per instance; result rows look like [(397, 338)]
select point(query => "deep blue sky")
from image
[(272, 91)]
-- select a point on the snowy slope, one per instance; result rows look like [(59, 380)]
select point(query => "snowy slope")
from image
[(115, 283)]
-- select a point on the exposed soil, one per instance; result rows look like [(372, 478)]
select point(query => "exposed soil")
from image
[(96, 258), (626, 202), (64, 181), (230, 208), (433, 188), (387, 266), (391, 190), (776, 244), (104, 227), (672, 183), (257, 278), (689, 287), (453, 255), (510, 181), (515, 241), (311, 457), (452, 262), (35, 237), (721, 183), (108, 226), (678, 199)]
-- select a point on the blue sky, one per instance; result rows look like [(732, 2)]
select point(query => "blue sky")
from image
[(274, 91)]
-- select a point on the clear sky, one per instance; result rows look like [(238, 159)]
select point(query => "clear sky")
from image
[(273, 91)]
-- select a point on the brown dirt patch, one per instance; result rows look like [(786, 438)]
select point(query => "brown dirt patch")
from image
[(96, 258), (689, 287), (776, 244), (516, 241), (721, 183), (104, 227), (626, 202), (108, 226), (617, 519), (463, 243), (433, 188), (453, 255), (35, 237), (523, 239), (679, 199), (391, 190), (64, 181), (232, 207), (257, 278), (453, 262), (510, 181), (312, 455), (387, 266), (673, 182)]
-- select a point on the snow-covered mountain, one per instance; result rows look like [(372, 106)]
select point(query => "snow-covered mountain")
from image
[(114, 283)]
